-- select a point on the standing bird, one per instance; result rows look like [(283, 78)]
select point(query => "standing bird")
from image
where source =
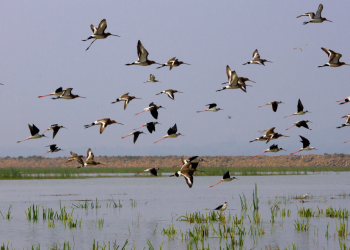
[(136, 135), (52, 149), (346, 100), (301, 49), (299, 124), (76, 157), (99, 32), (256, 59), (150, 126), (153, 171), (171, 133), (152, 78), (170, 93), (347, 123), (89, 160), (103, 122), (226, 177), (273, 104), (333, 59), (67, 94), (153, 109), (126, 98), (54, 128), (235, 82), (187, 173), (34, 131), (172, 62), (57, 92), (315, 18), (221, 207), (212, 107), (306, 145), (142, 54), (273, 149), (300, 110)]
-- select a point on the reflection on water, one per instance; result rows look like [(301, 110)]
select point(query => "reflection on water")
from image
[(138, 209)]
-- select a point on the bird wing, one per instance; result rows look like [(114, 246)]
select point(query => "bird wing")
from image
[(274, 106), (234, 79), (67, 92), (90, 155), (153, 171), (102, 127), (58, 90), (33, 129), (193, 158), (136, 135), (194, 165), (170, 94), (270, 131), (53, 147), (151, 127), (300, 106), (347, 119), (319, 10), (73, 154), (211, 105), (226, 175), (80, 161), (256, 55), (304, 141), (336, 58), (171, 61), (93, 28), (273, 146), (55, 130), (154, 113), (185, 167), (219, 207), (142, 53), (189, 179), (101, 27), (172, 130), (126, 102), (310, 14), (228, 72), (152, 77)]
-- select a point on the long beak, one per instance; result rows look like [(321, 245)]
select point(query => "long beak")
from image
[(114, 35)]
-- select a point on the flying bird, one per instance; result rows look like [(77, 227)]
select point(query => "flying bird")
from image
[(235, 82), (171, 133), (142, 54), (347, 123), (194, 160), (187, 173), (315, 18), (152, 78), (301, 49), (150, 126), (126, 99), (273, 149), (135, 134), (153, 109), (212, 107), (172, 62), (170, 93), (34, 131), (333, 59), (225, 178), (346, 100), (89, 160), (273, 104), (67, 94), (269, 135), (54, 128), (76, 157), (103, 124), (53, 148), (99, 32), (300, 110), (299, 124), (57, 92), (153, 171), (306, 145), (256, 59)]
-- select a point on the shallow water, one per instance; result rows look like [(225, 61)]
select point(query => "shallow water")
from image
[(158, 202)]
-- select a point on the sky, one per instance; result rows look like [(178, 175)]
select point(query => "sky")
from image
[(42, 49)]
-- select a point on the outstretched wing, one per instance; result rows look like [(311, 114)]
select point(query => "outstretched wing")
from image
[(101, 27), (142, 53), (319, 10)]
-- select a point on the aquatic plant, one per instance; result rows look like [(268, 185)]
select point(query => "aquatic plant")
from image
[(255, 198), (340, 213), (342, 230), (33, 213), (301, 226), (100, 223), (244, 205), (133, 203), (170, 231)]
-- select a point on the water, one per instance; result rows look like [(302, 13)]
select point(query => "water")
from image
[(158, 202)]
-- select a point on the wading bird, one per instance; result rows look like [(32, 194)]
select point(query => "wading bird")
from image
[(171, 133), (347, 123), (301, 49), (142, 54), (333, 59), (67, 94), (150, 126), (99, 32), (269, 135), (103, 124), (152, 78), (212, 108), (187, 173), (76, 157), (235, 82), (300, 110), (89, 160), (273, 149), (315, 18), (172, 62), (34, 131), (170, 93), (299, 124), (153, 109), (226, 177), (304, 196), (57, 92), (136, 135), (54, 128), (273, 104), (346, 100), (194, 160), (222, 207), (126, 99), (256, 59), (52, 149), (153, 171), (306, 145)]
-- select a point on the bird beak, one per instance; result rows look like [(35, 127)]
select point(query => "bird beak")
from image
[(120, 123), (163, 107), (159, 93)]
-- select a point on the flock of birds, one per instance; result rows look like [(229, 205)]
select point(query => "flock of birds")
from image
[(188, 166)]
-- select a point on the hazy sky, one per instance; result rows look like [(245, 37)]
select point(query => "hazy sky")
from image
[(42, 50)]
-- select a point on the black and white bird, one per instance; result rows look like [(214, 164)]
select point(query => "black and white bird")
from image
[(315, 18), (135, 134), (103, 124), (53, 148), (153, 171), (212, 108), (153, 109), (334, 58), (347, 123), (225, 178), (171, 133), (273, 104), (55, 128), (172, 62), (150, 126), (34, 131), (222, 207), (306, 145), (299, 124), (300, 110), (273, 149), (343, 101), (142, 54), (187, 173), (170, 93), (256, 59)]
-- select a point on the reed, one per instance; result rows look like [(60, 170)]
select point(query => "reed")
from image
[(342, 230), (255, 198), (340, 213), (133, 203), (301, 226), (170, 231), (244, 205), (33, 213)]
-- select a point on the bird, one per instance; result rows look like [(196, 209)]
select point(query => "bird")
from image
[(225, 178), (302, 123), (194, 160), (142, 54), (229, 117), (103, 124), (315, 18), (187, 173), (273, 104), (136, 135), (269, 135), (152, 78), (54, 128), (170, 93), (76, 157), (235, 82), (57, 92), (304, 196), (34, 131), (126, 98), (150, 126), (347, 123), (153, 171), (301, 49), (66, 94), (53, 148), (346, 100), (153, 109), (221, 207), (256, 59), (89, 160), (273, 149), (171, 133), (333, 59), (99, 32), (306, 145), (172, 62), (300, 110), (212, 107)]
